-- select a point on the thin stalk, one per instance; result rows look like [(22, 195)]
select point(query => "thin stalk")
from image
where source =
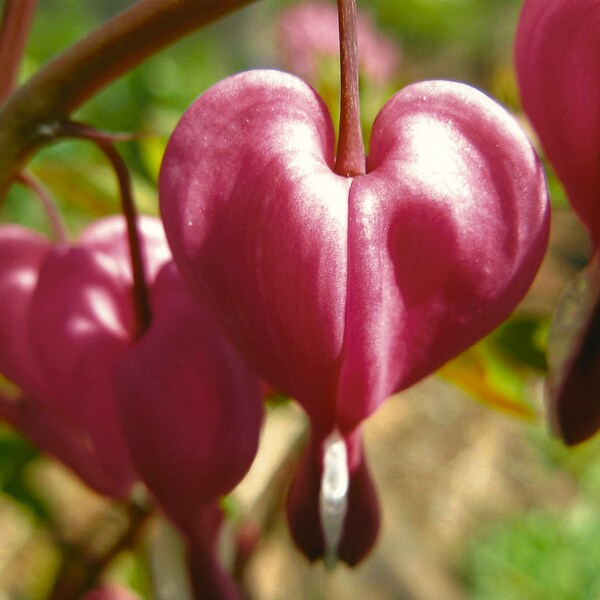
[(81, 569), (65, 83), (350, 160), (49, 205), (14, 31), (105, 144)]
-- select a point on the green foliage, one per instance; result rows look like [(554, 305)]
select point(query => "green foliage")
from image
[(16, 456), (537, 557)]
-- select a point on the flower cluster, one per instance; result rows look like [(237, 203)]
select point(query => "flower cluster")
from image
[(276, 267), (116, 409), (340, 291)]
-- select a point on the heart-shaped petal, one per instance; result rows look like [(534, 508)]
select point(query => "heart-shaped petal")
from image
[(556, 59), (257, 220), (108, 236), (80, 323), (191, 409), (81, 316), (446, 233), (22, 253), (58, 437), (340, 291), (67, 319)]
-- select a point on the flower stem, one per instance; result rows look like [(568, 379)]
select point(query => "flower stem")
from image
[(82, 569), (16, 22), (65, 83), (350, 159), (105, 144), (48, 204)]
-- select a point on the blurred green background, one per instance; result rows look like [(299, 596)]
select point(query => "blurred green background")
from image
[(480, 502)]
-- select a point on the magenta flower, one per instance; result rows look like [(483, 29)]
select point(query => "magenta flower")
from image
[(340, 290), (177, 407), (556, 58), (66, 318), (192, 413)]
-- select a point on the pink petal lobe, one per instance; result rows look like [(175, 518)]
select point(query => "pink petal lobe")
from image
[(425, 254), (80, 323), (21, 254), (191, 409), (577, 405), (446, 232), (109, 237), (361, 524), (556, 59), (57, 437), (257, 219), (573, 380)]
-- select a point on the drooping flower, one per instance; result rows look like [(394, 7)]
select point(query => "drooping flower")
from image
[(66, 318), (340, 291), (556, 60), (192, 412), (176, 407)]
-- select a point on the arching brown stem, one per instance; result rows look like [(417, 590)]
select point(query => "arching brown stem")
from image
[(350, 159), (104, 142), (52, 213), (81, 71)]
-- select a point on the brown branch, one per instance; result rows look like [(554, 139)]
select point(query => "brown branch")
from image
[(105, 142), (63, 85), (16, 22), (82, 568)]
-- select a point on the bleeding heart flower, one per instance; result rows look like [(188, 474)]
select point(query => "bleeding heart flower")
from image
[(556, 59), (343, 290), (192, 413), (66, 318), (573, 381), (179, 401)]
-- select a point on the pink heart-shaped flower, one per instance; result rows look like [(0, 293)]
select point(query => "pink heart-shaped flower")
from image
[(22, 253), (556, 60), (66, 318), (192, 412), (340, 291), (190, 407)]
